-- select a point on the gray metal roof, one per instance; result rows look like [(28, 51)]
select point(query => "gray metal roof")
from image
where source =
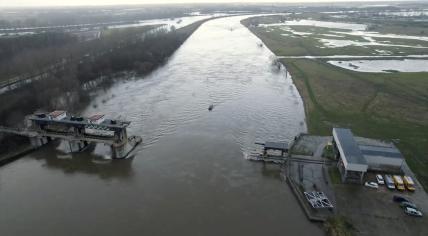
[(352, 152), (276, 146), (389, 152)]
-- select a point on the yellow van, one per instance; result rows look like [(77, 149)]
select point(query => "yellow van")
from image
[(408, 182), (398, 181)]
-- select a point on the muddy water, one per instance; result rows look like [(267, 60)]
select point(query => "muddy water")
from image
[(190, 176)]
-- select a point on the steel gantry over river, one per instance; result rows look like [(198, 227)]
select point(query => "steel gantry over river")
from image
[(77, 131)]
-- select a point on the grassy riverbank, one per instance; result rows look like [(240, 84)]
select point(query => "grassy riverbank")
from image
[(382, 106), (388, 106)]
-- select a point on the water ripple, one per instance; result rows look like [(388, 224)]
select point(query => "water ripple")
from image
[(253, 101)]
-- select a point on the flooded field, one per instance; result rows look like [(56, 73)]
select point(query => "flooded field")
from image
[(189, 177), (177, 23), (338, 43), (316, 23), (406, 65), (326, 35)]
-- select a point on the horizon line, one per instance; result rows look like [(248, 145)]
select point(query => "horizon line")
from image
[(294, 2)]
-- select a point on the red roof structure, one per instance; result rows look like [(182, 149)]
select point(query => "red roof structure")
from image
[(55, 114)]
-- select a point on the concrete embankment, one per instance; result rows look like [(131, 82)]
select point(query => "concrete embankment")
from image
[(291, 177), (302, 201)]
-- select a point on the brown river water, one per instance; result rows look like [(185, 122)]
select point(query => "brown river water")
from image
[(189, 177)]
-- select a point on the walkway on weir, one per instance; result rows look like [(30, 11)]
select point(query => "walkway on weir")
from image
[(78, 131)]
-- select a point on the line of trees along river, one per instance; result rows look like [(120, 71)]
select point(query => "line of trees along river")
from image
[(64, 89), (31, 55)]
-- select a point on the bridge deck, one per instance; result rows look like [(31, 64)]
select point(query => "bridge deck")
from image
[(71, 136), (68, 122), (18, 131)]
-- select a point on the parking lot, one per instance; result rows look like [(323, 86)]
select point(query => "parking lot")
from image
[(370, 211), (373, 212)]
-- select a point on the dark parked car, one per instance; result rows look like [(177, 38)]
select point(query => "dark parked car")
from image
[(400, 199)]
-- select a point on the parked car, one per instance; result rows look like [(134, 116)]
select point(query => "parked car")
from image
[(399, 184), (413, 212), (408, 182), (371, 185), (408, 204), (379, 179), (389, 182), (399, 199)]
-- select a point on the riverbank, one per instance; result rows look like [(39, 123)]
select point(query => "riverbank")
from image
[(388, 106)]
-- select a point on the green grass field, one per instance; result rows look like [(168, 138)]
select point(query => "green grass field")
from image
[(338, 226), (334, 174), (387, 106), (383, 106)]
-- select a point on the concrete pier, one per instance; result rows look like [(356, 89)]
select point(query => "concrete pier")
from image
[(38, 141), (77, 146), (119, 151)]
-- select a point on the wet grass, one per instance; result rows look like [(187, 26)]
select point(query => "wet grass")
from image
[(334, 174), (406, 26), (338, 226), (328, 152)]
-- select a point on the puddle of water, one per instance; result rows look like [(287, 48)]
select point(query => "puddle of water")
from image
[(326, 24), (405, 13), (383, 66), (352, 56), (292, 33), (337, 43), (378, 35), (333, 35)]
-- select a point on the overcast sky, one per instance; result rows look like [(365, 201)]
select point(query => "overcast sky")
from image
[(118, 2)]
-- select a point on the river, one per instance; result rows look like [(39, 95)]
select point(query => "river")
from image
[(190, 176)]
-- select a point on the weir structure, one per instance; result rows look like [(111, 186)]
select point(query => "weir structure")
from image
[(77, 131)]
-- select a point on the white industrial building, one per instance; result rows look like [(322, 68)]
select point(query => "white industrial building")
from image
[(356, 159)]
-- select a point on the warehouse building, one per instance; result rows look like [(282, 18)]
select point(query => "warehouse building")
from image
[(355, 159), (382, 158)]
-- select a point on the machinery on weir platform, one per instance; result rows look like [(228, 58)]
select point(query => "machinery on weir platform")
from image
[(77, 131)]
